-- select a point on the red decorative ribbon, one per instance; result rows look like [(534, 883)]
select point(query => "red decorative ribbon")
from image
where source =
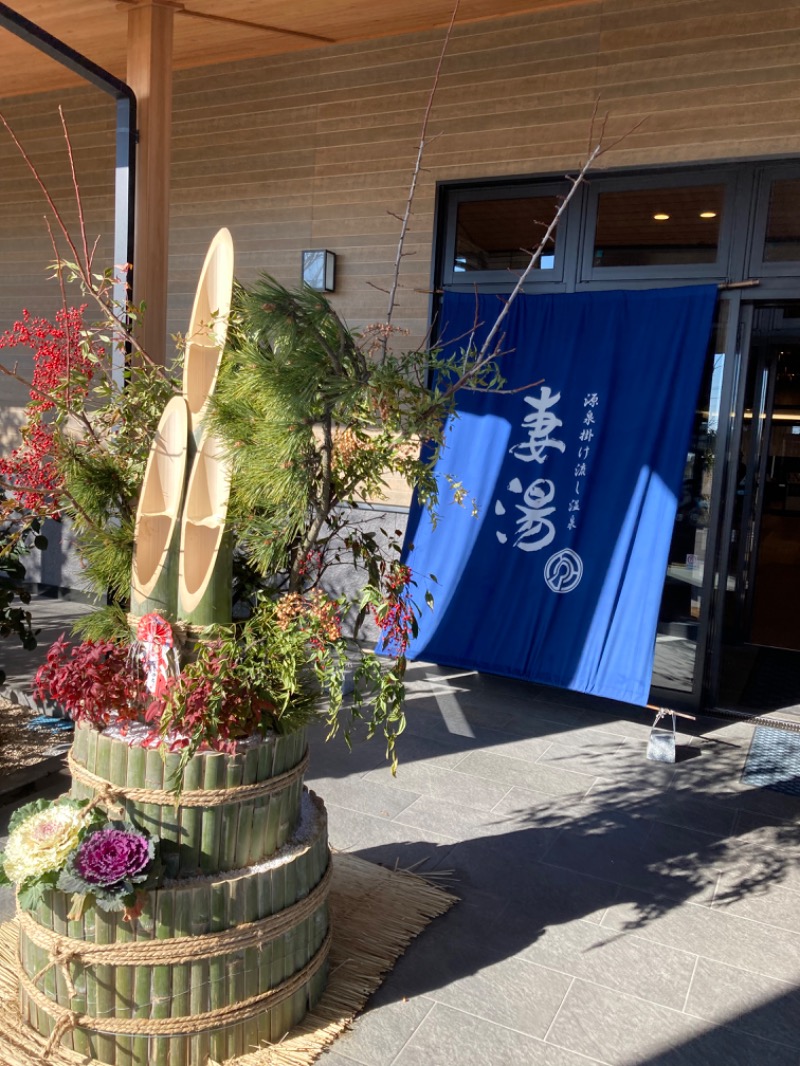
[(156, 651)]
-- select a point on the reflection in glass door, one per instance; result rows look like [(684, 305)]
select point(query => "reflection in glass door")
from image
[(760, 660), (687, 586)]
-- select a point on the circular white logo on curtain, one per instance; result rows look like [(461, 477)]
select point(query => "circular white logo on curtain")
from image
[(563, 571)]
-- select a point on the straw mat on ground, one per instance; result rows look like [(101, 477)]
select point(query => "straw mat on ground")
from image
[(375, 914)]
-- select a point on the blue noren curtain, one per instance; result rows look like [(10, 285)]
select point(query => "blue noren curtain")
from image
[(575, 470)]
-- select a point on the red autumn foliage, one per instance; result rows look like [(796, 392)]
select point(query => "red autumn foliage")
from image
[(61, 376), (209, 705), (96, 683), (92, 681)]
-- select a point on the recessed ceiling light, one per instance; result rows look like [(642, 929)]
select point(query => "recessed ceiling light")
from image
[(661, 217), (708, 214)]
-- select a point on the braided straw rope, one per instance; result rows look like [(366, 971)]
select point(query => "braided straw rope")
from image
[(187, 1024), (198, 797), (65, 950)]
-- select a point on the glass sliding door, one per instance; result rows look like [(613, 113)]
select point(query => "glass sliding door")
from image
[(689, 583), (758, 663)]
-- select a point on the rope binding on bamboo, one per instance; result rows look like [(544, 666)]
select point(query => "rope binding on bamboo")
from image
[(198, 797), (65, 951), (188, 1024)]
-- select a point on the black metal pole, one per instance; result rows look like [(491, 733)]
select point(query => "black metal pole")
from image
[(124, 203)]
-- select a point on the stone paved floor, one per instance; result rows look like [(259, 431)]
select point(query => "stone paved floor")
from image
[(613, 910)]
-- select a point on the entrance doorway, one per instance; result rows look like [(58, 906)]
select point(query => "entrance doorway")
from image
[(761, 621)]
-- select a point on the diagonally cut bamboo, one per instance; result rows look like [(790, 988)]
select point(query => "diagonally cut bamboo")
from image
[(208, 328), (206, 551), (154, 580)]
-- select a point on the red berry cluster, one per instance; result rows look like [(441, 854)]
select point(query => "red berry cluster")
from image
[(310, 563), (396, 617), (61, 375)]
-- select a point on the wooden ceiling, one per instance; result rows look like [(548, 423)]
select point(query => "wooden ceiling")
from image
[(218, 31)]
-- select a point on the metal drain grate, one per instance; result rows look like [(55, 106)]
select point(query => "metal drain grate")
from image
[(774, 761)]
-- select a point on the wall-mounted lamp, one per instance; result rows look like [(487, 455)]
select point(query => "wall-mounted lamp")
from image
[(319, 269)]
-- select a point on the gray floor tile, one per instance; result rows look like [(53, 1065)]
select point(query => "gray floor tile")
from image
[(449, 1037), (713, 933), (754, 897), (453, 820), (511, 992), (380, 1034), (767, 831), (340, 761), (624, 1031), (517, 773), (638, 853), (749, 1002), (361, 794), (442, 784), (384, 841), (537, 896), (617, 960), (596, 758)]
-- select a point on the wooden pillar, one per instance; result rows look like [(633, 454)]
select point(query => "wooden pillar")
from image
[(150, 77)]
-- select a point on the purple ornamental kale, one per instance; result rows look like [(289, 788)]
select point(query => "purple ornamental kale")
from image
[(110, 855)]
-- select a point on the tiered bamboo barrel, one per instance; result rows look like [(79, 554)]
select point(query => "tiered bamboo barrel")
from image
[(230, 952)]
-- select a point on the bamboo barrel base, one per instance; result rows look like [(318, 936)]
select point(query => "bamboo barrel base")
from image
[(199, 837), (220, 960)]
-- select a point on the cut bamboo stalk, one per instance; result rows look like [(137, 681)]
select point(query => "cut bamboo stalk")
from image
[(123, 934), (36, 958), (28, 961), (211, 830), (76, 930), (102, 761), (252, 985), (260, 808), (234, 964), (79, 742), (145, 930), (199, 1000), (153, 779), (208, 327), (244, 840), (181, 976), (89, 917), (265, 961), (191, 820), (154, 578), (135, 774), (161, 977), (205, 573), (230, 815), (277, 1014), (170, 833), (216, 971), (105, 979)]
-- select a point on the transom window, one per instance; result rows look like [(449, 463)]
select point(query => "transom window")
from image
[(737, 222), (658, 227), (501, 234)]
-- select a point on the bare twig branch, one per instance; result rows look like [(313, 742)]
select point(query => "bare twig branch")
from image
[(416, 172), (486, 347), (45, 191), (87, 260)]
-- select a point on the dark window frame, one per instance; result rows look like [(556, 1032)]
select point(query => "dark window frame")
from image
[(758, 266), (718, 270), (504, 278)]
